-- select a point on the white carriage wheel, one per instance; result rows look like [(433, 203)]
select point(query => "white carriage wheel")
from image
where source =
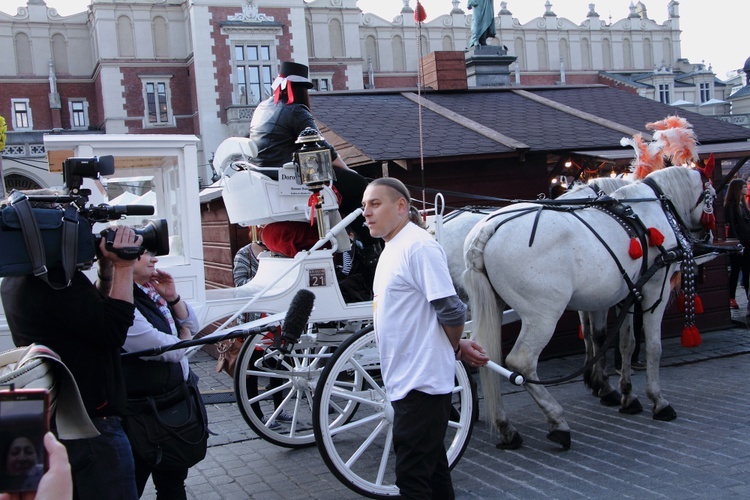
[(359, 453), (267, 387)]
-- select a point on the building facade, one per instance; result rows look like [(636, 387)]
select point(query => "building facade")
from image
[(200, 67)]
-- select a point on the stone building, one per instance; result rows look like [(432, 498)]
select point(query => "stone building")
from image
[(199, 67)]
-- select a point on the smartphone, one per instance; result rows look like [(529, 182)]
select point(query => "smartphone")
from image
[(24, 419)]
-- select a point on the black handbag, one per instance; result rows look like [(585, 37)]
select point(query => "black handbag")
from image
[(169, 431)]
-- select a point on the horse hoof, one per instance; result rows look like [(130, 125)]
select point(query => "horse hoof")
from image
[(515, 443), (666, 414), (560, 437), (633, 408), (611, 399)]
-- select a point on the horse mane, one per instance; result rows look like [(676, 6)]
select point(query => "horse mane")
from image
[(677, 184), (610, 184)]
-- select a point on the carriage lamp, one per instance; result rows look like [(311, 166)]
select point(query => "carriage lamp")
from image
[(312, 161)]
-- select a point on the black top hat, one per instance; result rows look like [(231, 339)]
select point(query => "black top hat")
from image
[(296, 73)]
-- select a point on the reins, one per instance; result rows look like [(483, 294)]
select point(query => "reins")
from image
[(623, 215)]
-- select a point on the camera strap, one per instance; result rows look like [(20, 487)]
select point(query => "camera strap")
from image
[(35, 246)]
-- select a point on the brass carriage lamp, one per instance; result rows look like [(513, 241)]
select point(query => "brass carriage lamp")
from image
[(313, 164)]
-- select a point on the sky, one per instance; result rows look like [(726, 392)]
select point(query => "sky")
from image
[(713, 31)]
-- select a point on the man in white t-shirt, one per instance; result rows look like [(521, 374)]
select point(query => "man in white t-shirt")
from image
[(419, 322)]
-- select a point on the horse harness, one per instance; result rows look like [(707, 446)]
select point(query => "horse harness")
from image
[(630, 222)]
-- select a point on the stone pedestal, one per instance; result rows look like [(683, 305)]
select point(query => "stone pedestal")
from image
[(488, 66)]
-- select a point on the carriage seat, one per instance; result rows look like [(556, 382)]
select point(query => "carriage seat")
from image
[(253, 197), (270, 172)]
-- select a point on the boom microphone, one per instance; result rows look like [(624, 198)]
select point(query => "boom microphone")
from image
[(296, 319), (132, 209)]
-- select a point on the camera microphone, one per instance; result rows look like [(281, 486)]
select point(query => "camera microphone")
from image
[(132, 210), (296, 320)]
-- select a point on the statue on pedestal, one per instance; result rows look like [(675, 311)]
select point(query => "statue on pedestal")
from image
[(483, 22)]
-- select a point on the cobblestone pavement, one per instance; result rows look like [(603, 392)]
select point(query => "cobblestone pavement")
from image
[(704, 453)]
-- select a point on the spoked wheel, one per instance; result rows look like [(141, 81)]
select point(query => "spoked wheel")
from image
[(275, 392), (359, 452)]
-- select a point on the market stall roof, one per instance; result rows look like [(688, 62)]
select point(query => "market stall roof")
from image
[(374, 126)]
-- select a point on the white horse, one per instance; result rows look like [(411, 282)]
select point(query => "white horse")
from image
[(458, 223), (543, 262), (457, 226)]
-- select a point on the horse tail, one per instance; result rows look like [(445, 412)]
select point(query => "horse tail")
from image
[(486, 313)]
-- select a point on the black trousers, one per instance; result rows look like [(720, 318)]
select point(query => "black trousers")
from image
[(169, 484), (419, 424)]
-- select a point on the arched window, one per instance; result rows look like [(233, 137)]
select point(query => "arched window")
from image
[(160, 37), (585, 54), (371, 51), (24, 63), (125, 42), (648, 54), (667, 48), (627, 54), (541, 54), (520, 54), (565, 53), (60, 54), (399, 57), (606, 54), (310, 39), (336, 36), (448, 43), (424, 45)]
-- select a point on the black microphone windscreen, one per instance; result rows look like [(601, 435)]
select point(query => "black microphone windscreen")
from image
[(298, 314), (139, 210)]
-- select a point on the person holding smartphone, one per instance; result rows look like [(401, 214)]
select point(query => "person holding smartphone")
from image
[(86, 326)]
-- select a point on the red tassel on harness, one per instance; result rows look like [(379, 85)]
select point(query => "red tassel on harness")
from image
[(708, 221), (312, 202), (691, 337), (698, 305), (419, 13), (655, 238), (635, 251)]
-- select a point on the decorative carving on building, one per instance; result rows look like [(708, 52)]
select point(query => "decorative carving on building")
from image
[(250, 14)]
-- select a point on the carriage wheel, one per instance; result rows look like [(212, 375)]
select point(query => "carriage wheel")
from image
[(269, 388), (359, 452)]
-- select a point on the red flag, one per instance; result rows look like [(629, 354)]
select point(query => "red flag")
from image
[(419, 14)]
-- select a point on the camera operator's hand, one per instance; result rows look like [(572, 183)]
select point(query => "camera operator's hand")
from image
[(124, 237), (116, 273)]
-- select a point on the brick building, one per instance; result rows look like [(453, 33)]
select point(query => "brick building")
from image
[(200, 67)]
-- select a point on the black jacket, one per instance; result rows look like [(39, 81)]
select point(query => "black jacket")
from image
[(275, 127), (83, 327)]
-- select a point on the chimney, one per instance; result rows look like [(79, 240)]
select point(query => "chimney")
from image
[(445, 70)]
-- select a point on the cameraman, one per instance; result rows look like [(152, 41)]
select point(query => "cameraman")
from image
[(87, 326)]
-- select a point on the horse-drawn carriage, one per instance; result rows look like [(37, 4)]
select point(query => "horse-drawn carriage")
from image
[(326, 383), (328, 378)]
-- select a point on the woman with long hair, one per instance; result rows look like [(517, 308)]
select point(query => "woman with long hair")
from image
[(737, 217)]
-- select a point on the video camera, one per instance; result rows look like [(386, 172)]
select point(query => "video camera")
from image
[(59, 234)]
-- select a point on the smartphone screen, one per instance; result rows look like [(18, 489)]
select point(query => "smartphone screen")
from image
[(24, 419)]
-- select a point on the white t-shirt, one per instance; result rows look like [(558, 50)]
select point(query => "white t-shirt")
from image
[(415, 352)]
